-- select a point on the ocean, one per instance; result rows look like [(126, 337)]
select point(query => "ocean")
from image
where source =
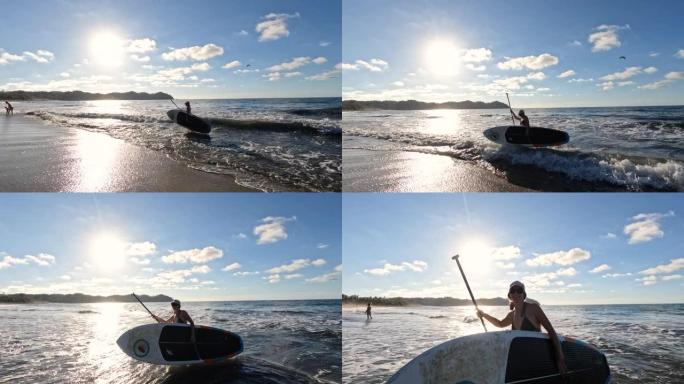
[(284, 341), (643, 343), (267, 144), (610, 149)]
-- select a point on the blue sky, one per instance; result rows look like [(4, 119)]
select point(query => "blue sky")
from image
[(197, 49), (545, 53), (189, 246), (566, 248)]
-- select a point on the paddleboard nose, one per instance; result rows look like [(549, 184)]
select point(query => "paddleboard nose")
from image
[(122, 341)]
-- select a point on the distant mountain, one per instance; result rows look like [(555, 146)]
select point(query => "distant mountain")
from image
[(407, 301), (77, 298), (79, 95), (354, 105)]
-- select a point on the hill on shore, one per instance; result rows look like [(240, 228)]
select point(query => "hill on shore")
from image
[(25, 298), (80, 96), (413, 105)]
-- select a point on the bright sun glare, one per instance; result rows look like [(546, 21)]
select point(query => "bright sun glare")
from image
[(107, 49), (107, 252), (442, 58), (476, 255)]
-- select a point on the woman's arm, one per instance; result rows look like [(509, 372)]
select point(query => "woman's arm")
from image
[(506, 321), (544, 321)]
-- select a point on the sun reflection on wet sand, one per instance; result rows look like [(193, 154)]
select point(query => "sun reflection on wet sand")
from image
[(98, 157)]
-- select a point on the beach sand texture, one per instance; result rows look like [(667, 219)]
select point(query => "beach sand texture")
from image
[(35, 157)]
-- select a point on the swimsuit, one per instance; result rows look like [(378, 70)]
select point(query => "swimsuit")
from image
[(526, 324)]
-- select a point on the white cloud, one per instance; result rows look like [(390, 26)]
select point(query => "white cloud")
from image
[(671, 277), (334, 275), (673, 266), (576, 43), (616, 275), (40, 56), (293, 276), (675, 76), (231, 267), (273, 229), (140, 249), (572, 256), (650, 70), (320, 60), (416, 266), (232, 64), (139, 261), (196, 53), (581, 80), (324, 43), (600, 268), (654, 54), (194, 255), (140, 59), (6, 57), (536, 76), (680, 54), (477, 55), (245, 273), (531, 62), (273, 278), (322, 246), (274, 27), (398, 84), (318, 262), (324, 76), (648, 280), (476, 68), (510, 252), (645, 227), (293, 74), (272, 76), (291, 65), (655, 85), (65, 74), (608, 85), (43, 259), (374, 65), (243, 33), (289, 268), (606, 38), (567, 73), (65, 277), (570, 271), (626, 74), (141, 45), (609, 235)]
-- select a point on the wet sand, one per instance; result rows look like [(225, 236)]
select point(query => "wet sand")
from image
[(400, 171), (35, 157)]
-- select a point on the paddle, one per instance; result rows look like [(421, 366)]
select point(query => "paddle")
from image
[(468, 286), (509, 108), (174, 103), (141, 303)]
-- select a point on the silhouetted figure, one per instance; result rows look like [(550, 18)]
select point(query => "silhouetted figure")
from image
[(9, 109), (368, 312), (524, 121), (187, 108)]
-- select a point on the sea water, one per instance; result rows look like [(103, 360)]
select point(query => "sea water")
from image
[(614, 149), (643, 343), (268, 144), (284, 342)]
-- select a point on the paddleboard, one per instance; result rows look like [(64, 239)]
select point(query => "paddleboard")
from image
[(505, 357), (169, 344), (528, 136), (190, 122)]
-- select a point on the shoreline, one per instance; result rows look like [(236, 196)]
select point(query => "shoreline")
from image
[(37, 157), (405, 171)]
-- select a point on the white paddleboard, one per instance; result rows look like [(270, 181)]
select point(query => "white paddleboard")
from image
[(169, 344), (504, 357)]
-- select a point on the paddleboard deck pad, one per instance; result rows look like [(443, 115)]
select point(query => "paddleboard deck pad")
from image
[(505, 357), (189, 121), (169, 344), (528, 136)]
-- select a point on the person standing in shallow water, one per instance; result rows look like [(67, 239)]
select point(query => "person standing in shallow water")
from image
[(368, 312), (522, 118), (9, 109), (527, 316)]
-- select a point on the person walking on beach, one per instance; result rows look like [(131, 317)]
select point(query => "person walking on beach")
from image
[(9, 109), (179, 316), (187, 108), (522, 118), (368, 312), (527, 316)]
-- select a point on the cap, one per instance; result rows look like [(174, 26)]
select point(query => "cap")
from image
[(517, 284)]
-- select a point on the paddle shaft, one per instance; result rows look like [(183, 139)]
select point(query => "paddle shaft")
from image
[(468, 286), (141, 303), (174, 103), (509, 107)]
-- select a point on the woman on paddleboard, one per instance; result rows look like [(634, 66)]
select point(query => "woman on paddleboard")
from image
[(522, 118), (527, 316), (187, 108), (179, 316)]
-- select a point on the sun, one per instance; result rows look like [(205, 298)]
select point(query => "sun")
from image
[(107, 252), (442, 58), (476, 255), (107, 49)]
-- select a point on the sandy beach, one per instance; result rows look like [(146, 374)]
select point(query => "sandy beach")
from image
[(35, 157), (402, 171)]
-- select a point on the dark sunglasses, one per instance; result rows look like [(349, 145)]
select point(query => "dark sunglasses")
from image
[(516, 290), (175, 305)]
